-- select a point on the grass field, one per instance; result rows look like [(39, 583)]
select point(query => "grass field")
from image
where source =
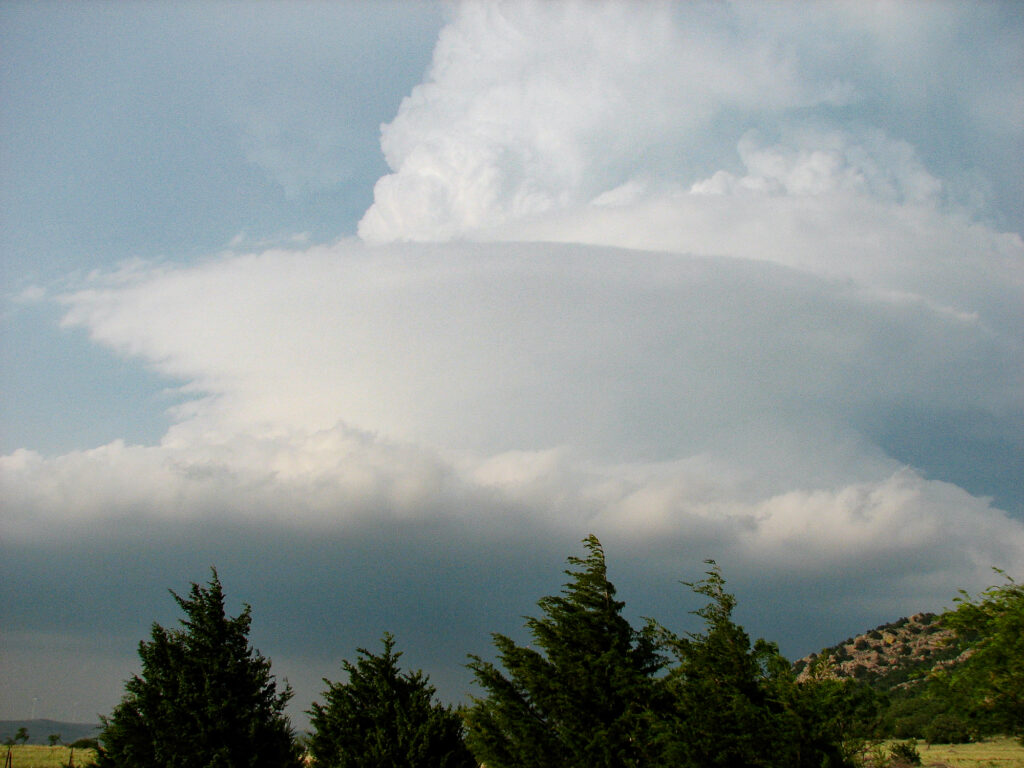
[(1000, 752), (991, 753), (30, 756)]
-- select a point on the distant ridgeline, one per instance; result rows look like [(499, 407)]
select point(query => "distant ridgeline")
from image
[(40, 730)]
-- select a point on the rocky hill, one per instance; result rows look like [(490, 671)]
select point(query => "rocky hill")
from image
[(890, 655)]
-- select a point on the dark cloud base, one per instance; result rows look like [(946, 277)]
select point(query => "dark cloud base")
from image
[(317, 597)]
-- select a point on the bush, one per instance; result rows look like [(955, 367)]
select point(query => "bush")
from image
[(905, 753), (947, 729)]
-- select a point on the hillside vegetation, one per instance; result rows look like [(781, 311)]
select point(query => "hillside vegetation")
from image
[(901, 654), (954, 677)]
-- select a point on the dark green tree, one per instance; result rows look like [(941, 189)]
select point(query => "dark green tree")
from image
[(580, 697), (385, 718), (729, 703), (992, 679), (205, 698), (716, 702), (836, 719)]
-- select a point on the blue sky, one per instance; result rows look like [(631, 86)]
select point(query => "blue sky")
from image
[(382, 308), (164, 131)]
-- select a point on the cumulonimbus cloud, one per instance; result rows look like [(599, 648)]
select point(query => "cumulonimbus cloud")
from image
[(531, 387), (664, 296)]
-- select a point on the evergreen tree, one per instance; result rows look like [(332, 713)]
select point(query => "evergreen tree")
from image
[(385, 718), (580, 698), (716, 706), (731, 704), (204, 699)]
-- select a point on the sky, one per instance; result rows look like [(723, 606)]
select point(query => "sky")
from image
[(380, 309)]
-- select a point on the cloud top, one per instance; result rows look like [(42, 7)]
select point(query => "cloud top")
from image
[(531, 108)]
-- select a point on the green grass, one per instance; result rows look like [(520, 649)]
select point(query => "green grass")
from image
[(1001, 752), (32, 756), (991, 753)]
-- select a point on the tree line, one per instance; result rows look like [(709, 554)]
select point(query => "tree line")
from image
[(589, 691)]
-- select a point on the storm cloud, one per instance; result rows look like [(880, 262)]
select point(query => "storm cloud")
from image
[(696, 279)]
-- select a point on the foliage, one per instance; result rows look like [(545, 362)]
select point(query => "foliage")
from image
[(905, 753), (718, 714), (948, 728), (581, 697), (385, 718), (734, 704), (992, 679), (596, 692), (205, 698), (839, 716), (927, 690)]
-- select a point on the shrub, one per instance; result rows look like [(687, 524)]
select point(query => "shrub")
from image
[(947, 729), (905, 753)]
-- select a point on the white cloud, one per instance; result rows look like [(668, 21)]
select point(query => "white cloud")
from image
[(532, 388), (523, 346), (530, 107), (824, 164), (714, 130), (338, 481)]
